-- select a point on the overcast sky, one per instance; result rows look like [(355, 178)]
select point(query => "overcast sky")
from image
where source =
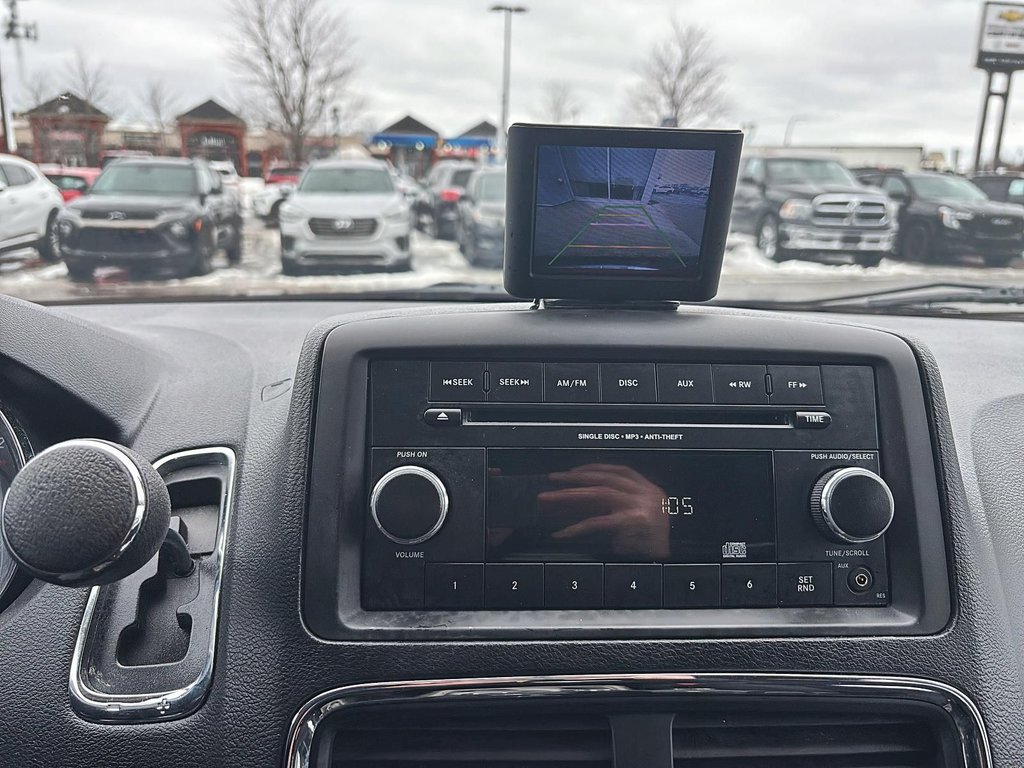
[(875, 71)]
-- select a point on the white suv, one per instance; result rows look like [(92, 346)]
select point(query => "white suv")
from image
[(29, 204), (345, 214)]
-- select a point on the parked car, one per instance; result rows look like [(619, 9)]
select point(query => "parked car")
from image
[(943, 216), (345, 214), (280, 173), (159, 214), (72, 182), (29, 205), (228, 175), (445, 185), (481, 223), (1003, 187), (267, 204), (801, 207)]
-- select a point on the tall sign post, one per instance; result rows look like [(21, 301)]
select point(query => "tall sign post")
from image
[(1000, 51)]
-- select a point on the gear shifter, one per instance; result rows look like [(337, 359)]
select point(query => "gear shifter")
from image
[(87, 512)]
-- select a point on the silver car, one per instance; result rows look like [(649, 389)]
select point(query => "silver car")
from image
[(345, 214)]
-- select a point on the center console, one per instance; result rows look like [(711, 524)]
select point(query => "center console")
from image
[(551, 475)]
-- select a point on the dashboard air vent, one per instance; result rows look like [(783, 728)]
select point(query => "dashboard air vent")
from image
[(456, 737), (852, 739)]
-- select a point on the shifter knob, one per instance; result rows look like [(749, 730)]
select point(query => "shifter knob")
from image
[(85, 512)]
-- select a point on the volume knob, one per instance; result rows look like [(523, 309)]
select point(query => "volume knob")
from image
[(409, 504), (852, 505)]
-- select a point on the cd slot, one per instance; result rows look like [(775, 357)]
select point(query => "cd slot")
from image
[(611, 415)]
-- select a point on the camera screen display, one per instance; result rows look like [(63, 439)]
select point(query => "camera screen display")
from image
[(632, 211)]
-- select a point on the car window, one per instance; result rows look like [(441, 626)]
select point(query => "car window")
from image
[(125, 178), (16, 175), (344, 181), (940, 187), (807, 171), (461, 176), (490, 187), (71, 183), (1016, 190), (755, 169), (894, 185)]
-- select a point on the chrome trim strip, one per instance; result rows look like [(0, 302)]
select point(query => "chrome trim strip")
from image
[(115, 452), (964, 713), (8, 428), (826, 502), (430, 477), (158, 705)]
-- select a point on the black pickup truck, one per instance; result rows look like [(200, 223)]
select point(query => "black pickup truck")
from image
[(802, 207)]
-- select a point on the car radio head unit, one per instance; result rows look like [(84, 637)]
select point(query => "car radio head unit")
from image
[(618, 214)]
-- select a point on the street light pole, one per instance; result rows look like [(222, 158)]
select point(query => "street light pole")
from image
[(17, 32), (508, 10), (787, 139)]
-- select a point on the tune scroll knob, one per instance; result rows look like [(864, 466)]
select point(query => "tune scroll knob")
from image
[(852, 505), (409, 504)]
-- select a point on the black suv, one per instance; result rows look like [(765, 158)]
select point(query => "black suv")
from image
[(445, 186), (805, 206), (943, 216), (1004, 187), (151, 215)]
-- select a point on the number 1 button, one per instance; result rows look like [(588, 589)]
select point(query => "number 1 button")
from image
[(514, 586), (455, 586)]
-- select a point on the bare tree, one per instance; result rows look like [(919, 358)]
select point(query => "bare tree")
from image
[(89, 79), (36, 88), (681, 81), (159, 104), (298, 57), (560, 103)]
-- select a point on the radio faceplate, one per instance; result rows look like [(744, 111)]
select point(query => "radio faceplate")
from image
[(599, 490), (472, 500)]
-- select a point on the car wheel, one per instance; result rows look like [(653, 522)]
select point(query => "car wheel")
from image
[(234, 251), (768, 240), (203, 263), (49, 245), (81, 273), (916, 244), (273, 219), (868, 259)]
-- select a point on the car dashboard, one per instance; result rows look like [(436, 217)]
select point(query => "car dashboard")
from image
[(806, 533)]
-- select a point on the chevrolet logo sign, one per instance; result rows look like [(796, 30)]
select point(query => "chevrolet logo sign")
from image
[(1011, 16)]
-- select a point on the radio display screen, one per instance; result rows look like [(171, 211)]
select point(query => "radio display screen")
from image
[(620, 210), (637, 506)]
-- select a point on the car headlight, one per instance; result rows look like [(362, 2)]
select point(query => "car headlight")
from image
[(796, 210), (396, 214), (290, 213), (179, 229), (952, 218)]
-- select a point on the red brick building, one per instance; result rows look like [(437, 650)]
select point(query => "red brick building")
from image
[(214, 132), (67, 130)]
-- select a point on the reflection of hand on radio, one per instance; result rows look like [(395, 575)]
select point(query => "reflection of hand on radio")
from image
[(613, 501)]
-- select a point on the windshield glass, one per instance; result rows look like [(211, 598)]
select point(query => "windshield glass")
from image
[(345, 181), (945, 188), (150, 179), (395, 114), (491, 188), (791, 171)]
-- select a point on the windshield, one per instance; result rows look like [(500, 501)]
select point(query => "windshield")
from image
[(394, 114), (491, 188), (791, 171), (149, 179), (346, 181), (946, 188)]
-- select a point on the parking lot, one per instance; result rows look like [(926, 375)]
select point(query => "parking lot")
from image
[(746, 274)]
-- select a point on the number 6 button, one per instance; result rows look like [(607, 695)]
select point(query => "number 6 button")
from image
[(749, 586), (514, 585)]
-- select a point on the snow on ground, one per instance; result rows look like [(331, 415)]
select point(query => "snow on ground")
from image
[(745, 273)]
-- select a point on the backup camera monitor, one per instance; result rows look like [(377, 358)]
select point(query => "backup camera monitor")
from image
[(618, 214)]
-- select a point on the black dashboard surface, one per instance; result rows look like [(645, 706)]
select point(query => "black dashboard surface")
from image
[(173, 377)]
